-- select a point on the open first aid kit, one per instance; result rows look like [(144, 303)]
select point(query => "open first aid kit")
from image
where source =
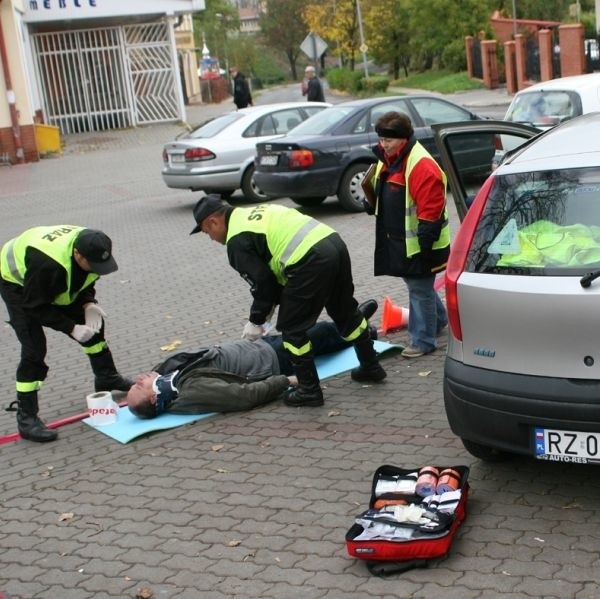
[(412, 518)]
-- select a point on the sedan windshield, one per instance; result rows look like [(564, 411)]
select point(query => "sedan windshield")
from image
[(320, 123)]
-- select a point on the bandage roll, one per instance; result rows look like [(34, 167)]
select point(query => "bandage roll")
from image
[(449, 481), (427, 481)]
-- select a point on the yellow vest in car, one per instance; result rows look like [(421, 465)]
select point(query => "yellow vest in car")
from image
[(411, 222), (289, 233), (57, 243)]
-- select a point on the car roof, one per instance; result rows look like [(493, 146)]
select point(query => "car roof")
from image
[(572, 144), (575, 83), (265, 108), (373, 101)]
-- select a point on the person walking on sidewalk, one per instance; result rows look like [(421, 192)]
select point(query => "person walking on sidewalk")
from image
[(241, 90), (412, 234), (47, 277), (300, 264), (312, 87)]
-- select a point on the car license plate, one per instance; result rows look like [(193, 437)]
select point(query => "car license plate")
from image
[(567, 446), (177, 157), (270, 160)]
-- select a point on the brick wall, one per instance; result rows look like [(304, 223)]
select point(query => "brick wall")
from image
[(572, 52), (7, 144)]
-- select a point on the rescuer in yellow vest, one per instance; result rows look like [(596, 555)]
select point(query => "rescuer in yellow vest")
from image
[(412, 235), (47, 277), (302, 265)]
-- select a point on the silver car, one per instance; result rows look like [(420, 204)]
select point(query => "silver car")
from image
[(218, 156), (522, 371)]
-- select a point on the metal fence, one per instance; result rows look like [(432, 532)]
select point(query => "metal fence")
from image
[(107, 78)]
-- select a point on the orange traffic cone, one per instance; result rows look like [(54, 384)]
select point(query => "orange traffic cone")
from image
[(393, 317)]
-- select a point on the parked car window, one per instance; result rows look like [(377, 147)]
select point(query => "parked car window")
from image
[(381, 109), (214, 126), (310, 110), (436, 111), (323, 121), (540, 223), (275, 124), (544, 108)]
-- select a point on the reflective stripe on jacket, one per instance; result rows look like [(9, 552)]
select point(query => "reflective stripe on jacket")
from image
[(289, 234), (57, 243)]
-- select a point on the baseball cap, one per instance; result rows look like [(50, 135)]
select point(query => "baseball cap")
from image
[(96, 247), (205, 207)]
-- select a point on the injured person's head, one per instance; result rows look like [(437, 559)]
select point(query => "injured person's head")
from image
[(151, 394)]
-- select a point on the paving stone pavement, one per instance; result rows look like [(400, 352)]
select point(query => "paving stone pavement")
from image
[(249, 505)]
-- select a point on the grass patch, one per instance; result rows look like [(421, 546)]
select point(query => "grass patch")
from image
[(443, 82)]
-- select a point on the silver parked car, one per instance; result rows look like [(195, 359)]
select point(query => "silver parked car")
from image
[(218, 156), (522, 371)]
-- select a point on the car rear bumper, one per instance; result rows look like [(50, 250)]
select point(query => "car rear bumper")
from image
[(220, 180), (500, 410), (304, 184)]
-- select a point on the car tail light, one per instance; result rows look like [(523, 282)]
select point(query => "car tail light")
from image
[(458, 255), (198, 154), (301, 159), (165, 156)]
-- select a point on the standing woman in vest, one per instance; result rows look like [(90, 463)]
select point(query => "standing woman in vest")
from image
[(47, 277), (412, 235), (294, 261)]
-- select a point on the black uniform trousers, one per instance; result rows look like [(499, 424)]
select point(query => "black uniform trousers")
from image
[(322, 279), (30, 333)]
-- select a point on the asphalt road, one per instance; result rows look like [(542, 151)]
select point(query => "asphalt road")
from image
[(249, 505)]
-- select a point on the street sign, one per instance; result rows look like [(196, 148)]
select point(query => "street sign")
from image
[(313, 46), (363, 48)]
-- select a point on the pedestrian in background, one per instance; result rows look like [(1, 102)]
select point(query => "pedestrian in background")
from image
[(311, 87), (294, 261), (412, 234), (47, 277), (241, 90)]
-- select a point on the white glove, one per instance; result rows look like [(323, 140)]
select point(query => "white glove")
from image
[(82, 333), (252, 331), (93, 317)]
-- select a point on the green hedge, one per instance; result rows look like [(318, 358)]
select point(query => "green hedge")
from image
[(356, 83)]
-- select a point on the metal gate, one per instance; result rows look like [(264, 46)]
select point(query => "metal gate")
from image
[(151, 71), (106, 78)]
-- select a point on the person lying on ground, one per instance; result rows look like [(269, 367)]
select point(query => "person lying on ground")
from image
[(232, 377)]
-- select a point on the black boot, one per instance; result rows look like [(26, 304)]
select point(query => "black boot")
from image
[(106, 376), (370, 370), (308, 392), (368, 308), (29, 425)]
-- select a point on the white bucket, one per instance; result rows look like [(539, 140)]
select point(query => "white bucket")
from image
[(101, 408)]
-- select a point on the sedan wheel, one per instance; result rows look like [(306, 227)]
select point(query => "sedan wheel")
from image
[(350, 193), (250, 189)]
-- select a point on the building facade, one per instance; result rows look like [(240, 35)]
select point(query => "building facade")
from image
[(91, 65)]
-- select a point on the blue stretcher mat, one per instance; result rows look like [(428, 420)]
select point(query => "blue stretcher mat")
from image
[(128, 426)]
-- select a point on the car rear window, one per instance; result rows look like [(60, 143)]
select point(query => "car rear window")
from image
[(214, 126), (544, 108), (320, 123), (540, 223)]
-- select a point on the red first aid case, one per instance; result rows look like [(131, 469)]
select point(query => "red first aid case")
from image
[(406, 527)]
